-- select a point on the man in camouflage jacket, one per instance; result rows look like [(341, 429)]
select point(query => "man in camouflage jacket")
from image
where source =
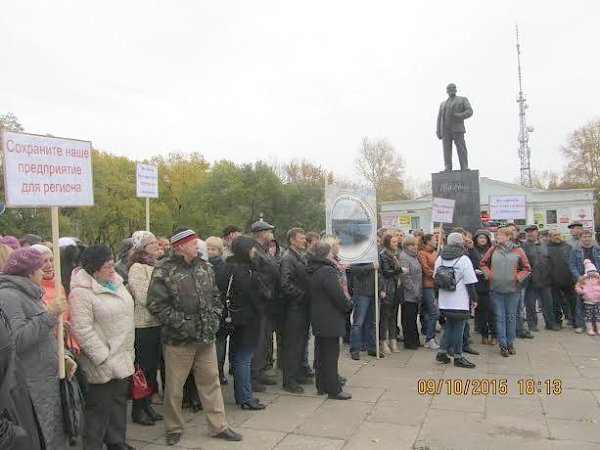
[(184, 296)]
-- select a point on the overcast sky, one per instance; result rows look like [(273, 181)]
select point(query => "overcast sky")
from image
[(248, 80)]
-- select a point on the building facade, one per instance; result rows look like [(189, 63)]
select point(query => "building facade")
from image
[(546, 208)]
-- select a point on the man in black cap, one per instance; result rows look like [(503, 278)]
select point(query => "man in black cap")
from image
[(538, 288), (268, 270), (575, 229)]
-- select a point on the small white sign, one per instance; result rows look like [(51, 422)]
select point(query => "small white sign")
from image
[(508, 207), (146, 180), (442, 210), (46, 171)]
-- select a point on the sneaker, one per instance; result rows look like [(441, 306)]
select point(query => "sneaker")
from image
[(394, 346), (578, 330), (374, 353), (385, 348), (591, 332), (511, 350), (443, 358), (294, 388), (355, 356), (526, 335), (504, 351), (432, 344)]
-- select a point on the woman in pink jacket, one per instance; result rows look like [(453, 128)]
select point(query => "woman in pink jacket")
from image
[(589, 288)]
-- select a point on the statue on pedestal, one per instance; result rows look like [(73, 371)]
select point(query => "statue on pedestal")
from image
[(451, 127)]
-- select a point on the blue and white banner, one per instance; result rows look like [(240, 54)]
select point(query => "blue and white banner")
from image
[(351, 214)]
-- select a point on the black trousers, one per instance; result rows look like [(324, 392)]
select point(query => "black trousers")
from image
[(294, 334), (565, 300), (409, 324), (221, 345), (265, 340), (105, 415), (461, 149), (148, 353), (327, 353)]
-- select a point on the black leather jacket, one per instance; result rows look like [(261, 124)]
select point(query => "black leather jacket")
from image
[(294, 281)]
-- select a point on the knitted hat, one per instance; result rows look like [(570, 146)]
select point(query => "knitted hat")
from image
[(94, 257), (589, 266), (182, 235), (242, 245), (23, 262), (455, 239), (41, 248), (140, 239), (11, 241)]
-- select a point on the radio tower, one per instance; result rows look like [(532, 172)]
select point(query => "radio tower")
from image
[(524, 130)]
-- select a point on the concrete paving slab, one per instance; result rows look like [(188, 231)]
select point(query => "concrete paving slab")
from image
[(373, 435), (302, 442), (335, 419), (284, 414), (575, 430), (466, 430), (397, 412), (573, 405)]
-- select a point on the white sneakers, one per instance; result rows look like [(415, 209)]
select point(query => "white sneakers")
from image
[(385, 348), (578, 330), (394, 346), (432, 344)]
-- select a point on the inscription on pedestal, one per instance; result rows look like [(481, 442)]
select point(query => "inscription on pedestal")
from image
[(463, 187)]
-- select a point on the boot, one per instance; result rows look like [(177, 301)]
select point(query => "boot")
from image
[(139, 415), (385, 348), (150, 410), (394, 346), (589, 327)]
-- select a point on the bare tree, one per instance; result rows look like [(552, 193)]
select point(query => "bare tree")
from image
[(582, 153), (382, 168)]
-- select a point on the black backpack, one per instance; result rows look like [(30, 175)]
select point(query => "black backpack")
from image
[(445, 277)]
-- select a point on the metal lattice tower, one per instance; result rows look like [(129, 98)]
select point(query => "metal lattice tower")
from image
[(524, 130)]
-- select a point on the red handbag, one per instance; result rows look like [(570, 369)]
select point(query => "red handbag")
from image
[(139, 385)]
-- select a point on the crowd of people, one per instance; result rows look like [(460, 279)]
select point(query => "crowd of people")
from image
[(176, 309)]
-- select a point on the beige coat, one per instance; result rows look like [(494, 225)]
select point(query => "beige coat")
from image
[(139, 280), (102, 322)]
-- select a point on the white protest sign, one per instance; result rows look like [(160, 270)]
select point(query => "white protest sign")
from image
[(46, 171), (351, 214), (442, 210), (146, 180), (508, 207)]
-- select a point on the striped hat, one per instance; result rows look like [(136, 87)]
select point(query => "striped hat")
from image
[(182, 235)]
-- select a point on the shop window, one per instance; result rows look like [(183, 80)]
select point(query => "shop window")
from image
[(415, 223)]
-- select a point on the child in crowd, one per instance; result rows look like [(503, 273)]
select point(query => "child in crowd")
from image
[(589, 288)]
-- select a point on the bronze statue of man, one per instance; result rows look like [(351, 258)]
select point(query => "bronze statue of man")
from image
[(451, 127)]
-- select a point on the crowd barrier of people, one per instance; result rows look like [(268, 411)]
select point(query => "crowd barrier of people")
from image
[(174, 310)]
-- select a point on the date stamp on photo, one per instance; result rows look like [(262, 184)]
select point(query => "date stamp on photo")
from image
[(489, 386)]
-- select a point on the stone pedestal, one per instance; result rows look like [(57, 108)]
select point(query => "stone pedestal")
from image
[(463, 187)]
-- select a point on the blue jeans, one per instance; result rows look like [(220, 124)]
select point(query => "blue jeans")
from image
[(363, 321), (453, 336), (520, 307), (579, 313), (544, 295), (505, 307), (242, 378), (466, 334), (430, 311)]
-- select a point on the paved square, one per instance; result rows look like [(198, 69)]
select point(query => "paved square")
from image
[(386, 411)]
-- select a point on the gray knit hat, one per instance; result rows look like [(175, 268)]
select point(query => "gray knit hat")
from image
[(455, 239)]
